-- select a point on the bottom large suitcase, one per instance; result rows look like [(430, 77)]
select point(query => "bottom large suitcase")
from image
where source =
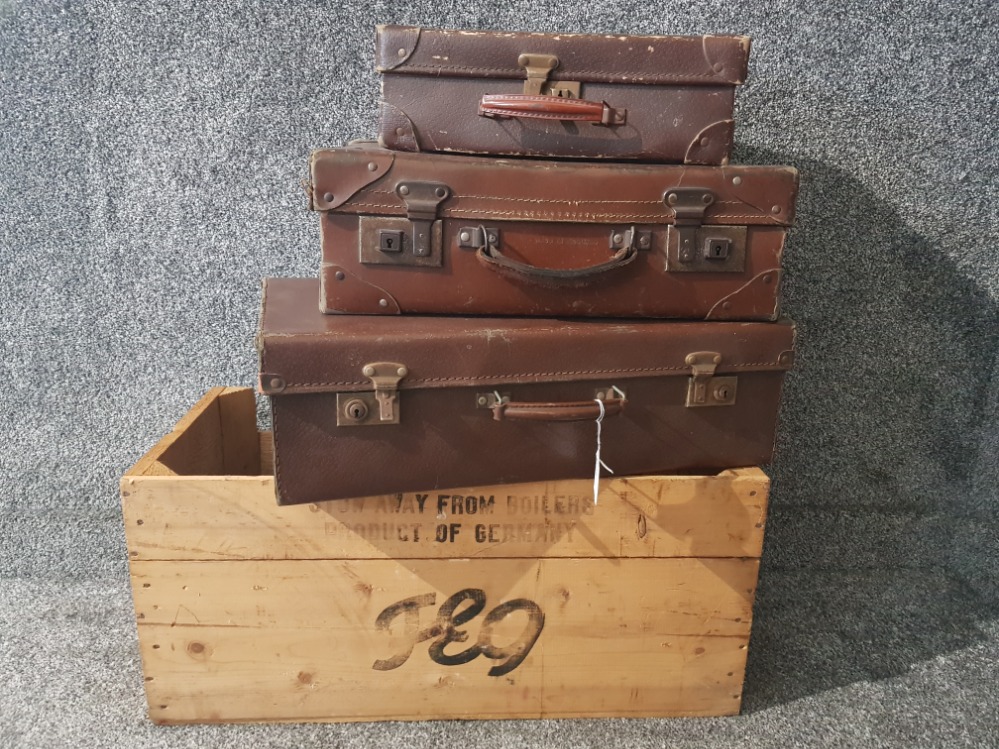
[(377, 405)]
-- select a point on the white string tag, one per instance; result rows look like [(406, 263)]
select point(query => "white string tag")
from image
[(598, 462)]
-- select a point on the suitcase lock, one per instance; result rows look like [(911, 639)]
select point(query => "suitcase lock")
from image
[(692, 247), (703, 388), (372, 408), (414, 240)]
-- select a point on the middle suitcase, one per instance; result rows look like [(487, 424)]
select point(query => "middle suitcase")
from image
[(442, 234)]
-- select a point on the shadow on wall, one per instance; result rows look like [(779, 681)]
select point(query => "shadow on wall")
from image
[(866, 570)]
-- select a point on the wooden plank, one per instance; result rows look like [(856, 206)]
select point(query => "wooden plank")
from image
[(299, 640), (267, 453), (238, 518), (193, 447), (238, 426), (710, 597), (194, 420)]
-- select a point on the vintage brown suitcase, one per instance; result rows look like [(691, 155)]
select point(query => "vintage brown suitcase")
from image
[(433, 233), (654, 98), (374, 405)]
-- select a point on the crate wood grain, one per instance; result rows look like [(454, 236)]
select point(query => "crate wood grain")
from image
[(509, 601)]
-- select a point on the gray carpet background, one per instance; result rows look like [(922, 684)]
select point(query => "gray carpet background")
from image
[(151, 161)]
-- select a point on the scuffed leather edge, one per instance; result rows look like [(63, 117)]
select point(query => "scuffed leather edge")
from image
[(389, 39), (342, 173), (712, 146)]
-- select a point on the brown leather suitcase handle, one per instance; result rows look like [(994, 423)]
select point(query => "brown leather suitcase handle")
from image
[(490, 255), (551, 108), (569, 411)]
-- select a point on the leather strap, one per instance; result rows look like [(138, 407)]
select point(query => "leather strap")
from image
[(568, 411), (492, 258), (551, 108)]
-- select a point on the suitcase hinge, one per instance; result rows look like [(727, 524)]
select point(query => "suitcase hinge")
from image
[(422, 200), (378, 407), (703, 388)]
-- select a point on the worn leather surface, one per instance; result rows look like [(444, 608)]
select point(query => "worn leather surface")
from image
[(550, 215), (678, 93), (691, 60), (445, 439)]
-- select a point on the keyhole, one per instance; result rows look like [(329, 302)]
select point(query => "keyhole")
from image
[(356, 409), (388, 243)]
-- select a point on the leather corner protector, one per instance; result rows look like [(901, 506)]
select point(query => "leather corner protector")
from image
[(727, 58), (712, 145), (396, 130), (728, 308), (339, 174), (395, 45), (345, 293)]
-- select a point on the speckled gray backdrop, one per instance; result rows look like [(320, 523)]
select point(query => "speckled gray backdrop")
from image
[(151, 161)]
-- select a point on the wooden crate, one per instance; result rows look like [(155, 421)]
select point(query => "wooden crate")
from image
[(494, 602)]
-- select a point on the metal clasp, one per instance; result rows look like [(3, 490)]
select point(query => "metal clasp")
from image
[(378, 407), (422, 200), (538, 68), (689, 205), (703, 388)]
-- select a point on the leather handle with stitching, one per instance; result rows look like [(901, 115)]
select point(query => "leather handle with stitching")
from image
[(557, 108), (566, 411)]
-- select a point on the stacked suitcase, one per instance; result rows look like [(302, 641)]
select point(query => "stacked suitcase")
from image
[(544, 268)]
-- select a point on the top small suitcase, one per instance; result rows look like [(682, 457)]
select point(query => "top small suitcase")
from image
[(653, 98)]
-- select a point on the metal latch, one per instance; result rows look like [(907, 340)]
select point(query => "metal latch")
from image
[(422, 200), (703, 388), (689, 205), (378, 407), (538, 68), (692, 247)]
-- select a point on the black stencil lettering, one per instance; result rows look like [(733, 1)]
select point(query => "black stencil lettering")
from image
[(516, 651), (450, 617), (410, 611), (448, 621)]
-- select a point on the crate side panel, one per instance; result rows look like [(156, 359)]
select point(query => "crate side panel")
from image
[(238, 518), (299, 640)]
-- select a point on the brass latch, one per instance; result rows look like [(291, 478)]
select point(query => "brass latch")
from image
[(538, 68), (378, 407), (703, 388)]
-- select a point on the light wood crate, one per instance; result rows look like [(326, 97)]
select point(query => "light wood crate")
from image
[(517, 601)]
